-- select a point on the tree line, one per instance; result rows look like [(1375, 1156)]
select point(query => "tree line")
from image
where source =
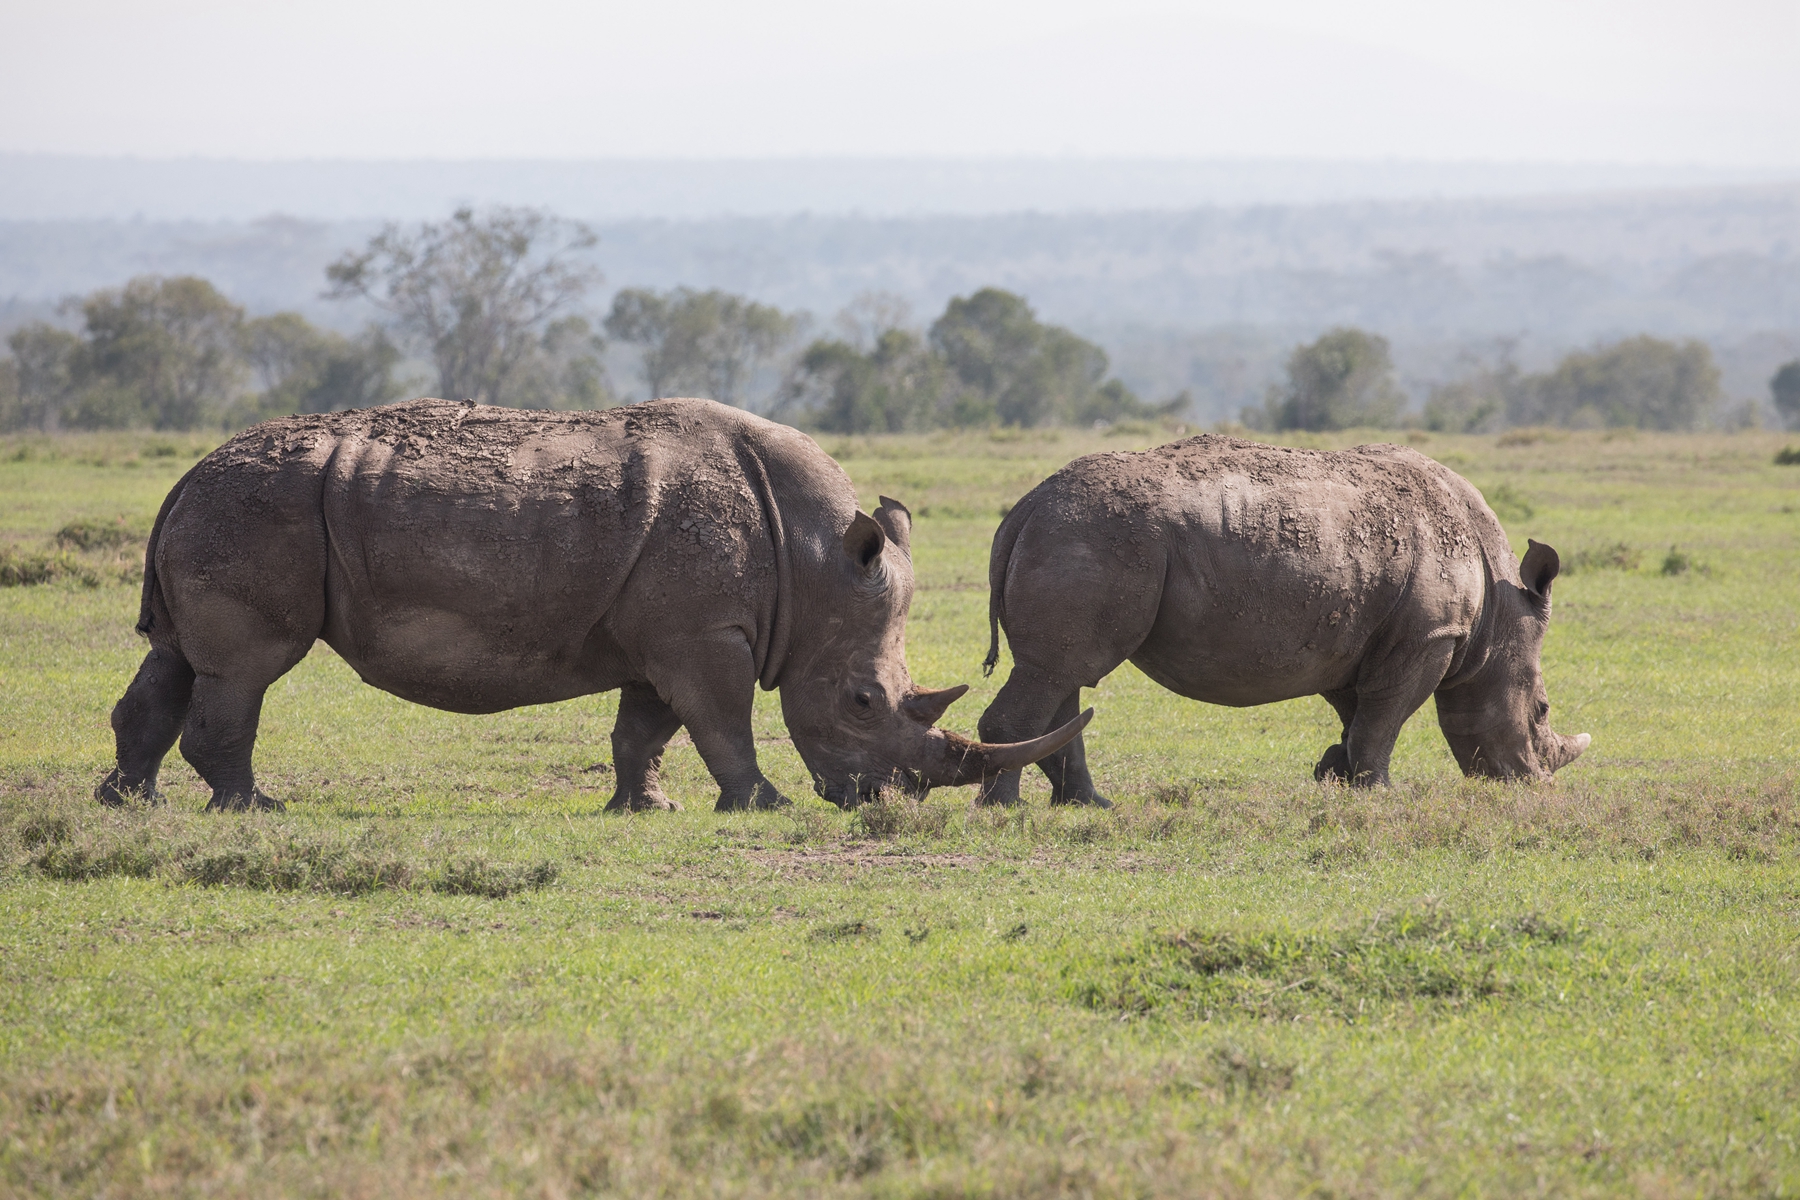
[(1345, 379), (492, 304)]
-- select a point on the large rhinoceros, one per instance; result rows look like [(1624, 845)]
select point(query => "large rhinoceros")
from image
[(477, 559), (1240, 574)]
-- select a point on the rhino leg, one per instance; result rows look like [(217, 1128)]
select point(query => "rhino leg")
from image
[(146, 721), (644, 726), (1020, 712), (1335, 763), (1067, 769), (711, 685), (219, 738), (1384, 700)]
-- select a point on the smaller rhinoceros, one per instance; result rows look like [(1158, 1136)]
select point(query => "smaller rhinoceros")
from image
[(477, 559), (1239, 573)]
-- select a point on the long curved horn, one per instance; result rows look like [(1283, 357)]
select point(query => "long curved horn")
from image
[(961, 761), (926, 706)]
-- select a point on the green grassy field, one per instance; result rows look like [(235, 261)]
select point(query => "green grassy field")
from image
[(443, 970)]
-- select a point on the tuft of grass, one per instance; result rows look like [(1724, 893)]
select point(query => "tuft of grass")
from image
[(27, 568), (496, 881), (1614, 557), (77, 843), (1676, 562), (845, 931), (1788, 456), (1422, 957), (893, 814), (1234, 1071), (97, 535)]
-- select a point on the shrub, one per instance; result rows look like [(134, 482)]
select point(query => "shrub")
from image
[(96, 535), (26, 569)]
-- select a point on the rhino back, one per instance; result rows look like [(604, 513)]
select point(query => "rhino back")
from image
[(1269, 572)]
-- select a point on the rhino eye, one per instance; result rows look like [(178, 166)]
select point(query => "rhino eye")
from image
[(1543, 709), (862, 699)]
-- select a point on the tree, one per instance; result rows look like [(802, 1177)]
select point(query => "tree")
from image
[(473, 293), (1342, 380), (1021, 371), (41, 376), (305, 369), (896, 385), (1784, 388), (163, 351), (1481, 400), (1641, 382), (568, 371), (709, 343)]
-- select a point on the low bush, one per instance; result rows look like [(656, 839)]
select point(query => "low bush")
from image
[(261, 854)]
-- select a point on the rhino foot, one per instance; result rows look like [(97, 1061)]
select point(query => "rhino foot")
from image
[(641, 802), (1096, 800), (763, 797), (239, 802), (1334, 765), (114, 792)]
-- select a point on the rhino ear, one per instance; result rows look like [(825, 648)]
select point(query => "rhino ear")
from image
[(896, 520), (1539, 568), (863, 542)]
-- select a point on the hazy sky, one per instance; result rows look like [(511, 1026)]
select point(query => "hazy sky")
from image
[(1669, 81)]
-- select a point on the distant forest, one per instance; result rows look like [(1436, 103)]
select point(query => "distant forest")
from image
[(1204, 307)]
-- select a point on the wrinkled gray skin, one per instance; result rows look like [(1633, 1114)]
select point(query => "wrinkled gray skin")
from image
[(1240, 574), (477, 559)]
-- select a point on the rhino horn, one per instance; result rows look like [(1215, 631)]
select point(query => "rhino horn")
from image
[(961, 761), (926, 706)]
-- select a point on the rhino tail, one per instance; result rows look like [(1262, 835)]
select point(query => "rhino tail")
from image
[(999, 559), (148, 606)]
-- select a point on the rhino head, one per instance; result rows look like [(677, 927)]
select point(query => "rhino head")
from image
[(855, 715), (1497, 718)]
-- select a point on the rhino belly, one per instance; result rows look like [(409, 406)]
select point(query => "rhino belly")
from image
[(1244, 620), (458, 661), (471, 595)]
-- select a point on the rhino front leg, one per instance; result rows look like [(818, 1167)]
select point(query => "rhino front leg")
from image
[(1383, 704), (713, 695), (644, 726)]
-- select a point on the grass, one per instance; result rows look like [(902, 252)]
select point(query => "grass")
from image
[(444, 971)]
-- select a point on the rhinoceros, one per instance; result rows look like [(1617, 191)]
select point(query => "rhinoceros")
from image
[(475, 559), (1240, 574)]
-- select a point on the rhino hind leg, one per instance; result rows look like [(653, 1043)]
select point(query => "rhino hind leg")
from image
[(146, 721), (644, 726), (219, 739), (1019, 713), (1067, 769), (1334, 764)]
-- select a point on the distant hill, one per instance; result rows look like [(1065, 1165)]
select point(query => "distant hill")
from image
[(62, 187)]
